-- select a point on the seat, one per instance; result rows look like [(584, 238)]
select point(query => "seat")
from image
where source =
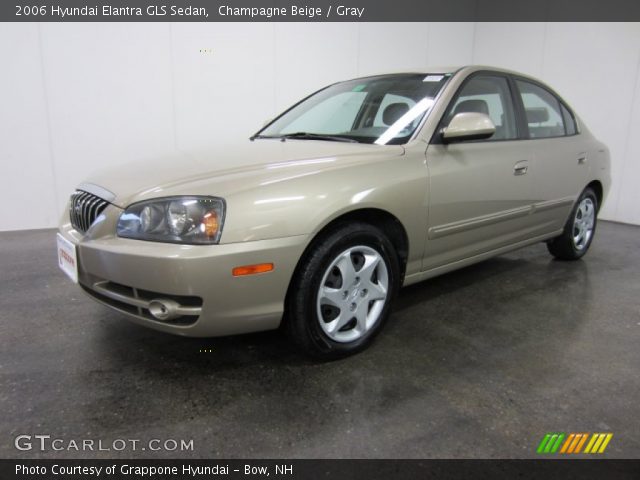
[(393, 112), (472, 106), (537, 115)]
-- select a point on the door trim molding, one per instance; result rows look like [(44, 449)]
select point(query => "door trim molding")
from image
[(550, 204), (439, 231)]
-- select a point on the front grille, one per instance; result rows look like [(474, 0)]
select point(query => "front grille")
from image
[(84, 209)]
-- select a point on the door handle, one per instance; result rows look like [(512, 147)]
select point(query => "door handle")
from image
[(582, 158), (520, 168)]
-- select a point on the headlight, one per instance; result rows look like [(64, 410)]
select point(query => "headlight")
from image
[(194, 220)]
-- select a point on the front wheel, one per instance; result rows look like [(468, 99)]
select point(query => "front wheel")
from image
[(340, 296), (579, 230)]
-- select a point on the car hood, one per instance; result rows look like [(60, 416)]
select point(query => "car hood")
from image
[(226, 171)]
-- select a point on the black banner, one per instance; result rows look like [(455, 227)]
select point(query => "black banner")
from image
[(319, 469), (318, 10)]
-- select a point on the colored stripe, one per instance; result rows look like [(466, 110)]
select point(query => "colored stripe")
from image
[(543, 443), (574, 443), (605, 443), (554, 449), (550, 443), (590, 444), (579, 446), (596, 445), (567, 443)]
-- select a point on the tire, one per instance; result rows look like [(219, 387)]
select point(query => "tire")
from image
[(579, 230), (340, 295)]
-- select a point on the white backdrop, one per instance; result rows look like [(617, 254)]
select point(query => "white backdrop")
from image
[(78, 97)]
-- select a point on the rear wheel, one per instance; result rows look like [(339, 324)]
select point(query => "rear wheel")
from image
[(341, 294), (579, 230)]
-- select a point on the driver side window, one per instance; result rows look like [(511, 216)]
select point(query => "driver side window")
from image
[(489, 95)]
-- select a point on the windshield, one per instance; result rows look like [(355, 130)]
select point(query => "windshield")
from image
[(383, 110)]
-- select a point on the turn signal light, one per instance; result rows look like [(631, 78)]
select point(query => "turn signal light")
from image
[(252, 269), (211, 224)]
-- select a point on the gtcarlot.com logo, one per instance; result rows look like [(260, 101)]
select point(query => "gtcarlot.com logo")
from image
[(46, 443)]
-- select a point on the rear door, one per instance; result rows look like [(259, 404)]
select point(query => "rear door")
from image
[(558, 156), (480, 192)]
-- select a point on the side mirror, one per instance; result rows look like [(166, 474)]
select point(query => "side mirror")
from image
[(468, 126)]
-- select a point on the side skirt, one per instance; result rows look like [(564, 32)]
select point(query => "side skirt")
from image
[(434, 272)]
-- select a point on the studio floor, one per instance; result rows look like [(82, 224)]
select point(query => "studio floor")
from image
[(479, 363)]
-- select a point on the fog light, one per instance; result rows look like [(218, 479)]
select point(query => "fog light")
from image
[(163, 309)]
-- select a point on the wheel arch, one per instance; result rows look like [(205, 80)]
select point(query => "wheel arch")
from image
[(382, 219), (597, 187)]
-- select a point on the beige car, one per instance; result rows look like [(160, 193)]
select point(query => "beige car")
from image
[(316, 221)]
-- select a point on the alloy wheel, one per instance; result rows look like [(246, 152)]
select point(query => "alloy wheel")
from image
[(583, 223)]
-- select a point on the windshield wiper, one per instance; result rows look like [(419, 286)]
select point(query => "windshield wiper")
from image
[(257, 135), (316, 136)]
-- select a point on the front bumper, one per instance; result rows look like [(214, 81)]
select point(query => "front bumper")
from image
[(127, 274)]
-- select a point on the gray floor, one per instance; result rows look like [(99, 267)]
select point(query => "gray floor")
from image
[(478, 363)]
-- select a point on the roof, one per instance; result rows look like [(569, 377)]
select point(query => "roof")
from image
[(446, 69)]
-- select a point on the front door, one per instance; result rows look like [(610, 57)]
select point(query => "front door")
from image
[(480, 192)]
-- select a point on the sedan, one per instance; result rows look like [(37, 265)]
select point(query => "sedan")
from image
[(314, 223)]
